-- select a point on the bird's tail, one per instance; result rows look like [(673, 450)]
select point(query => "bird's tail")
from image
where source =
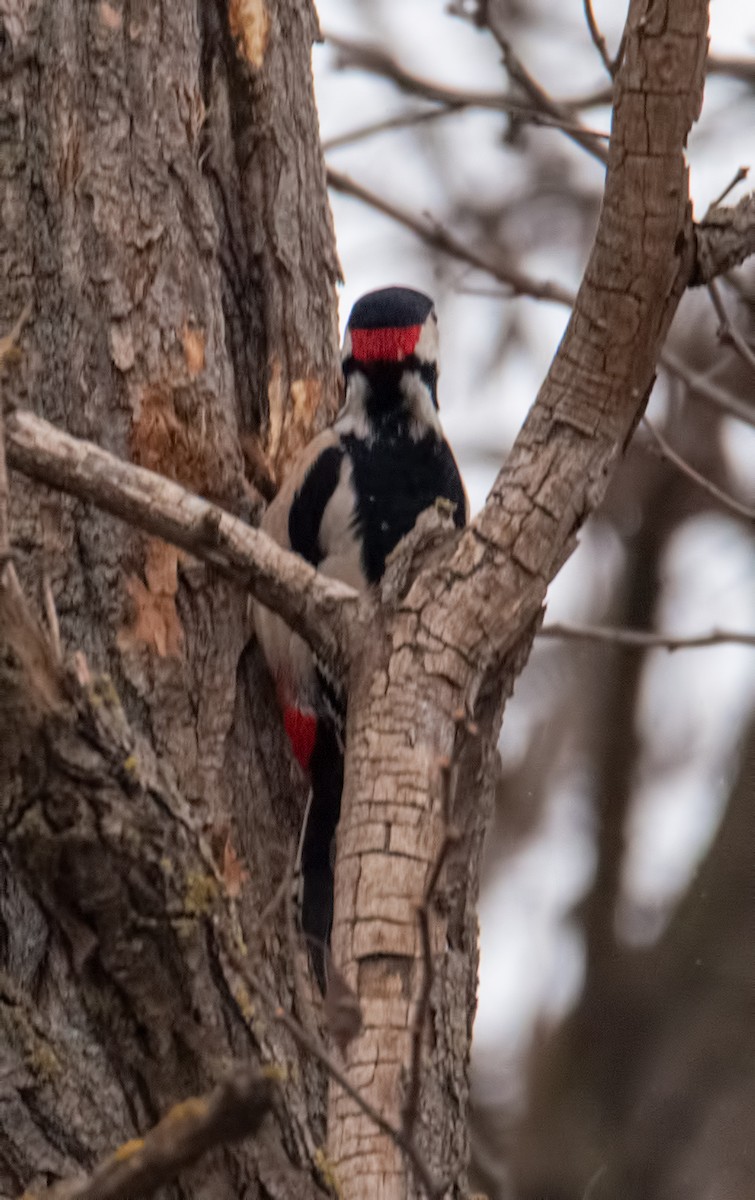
[(315, 859)]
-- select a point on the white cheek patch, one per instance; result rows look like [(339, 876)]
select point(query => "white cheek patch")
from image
[(346, 348), (419, 403), (353, 416), (427, 345)]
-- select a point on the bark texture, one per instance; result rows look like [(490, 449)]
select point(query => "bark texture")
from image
[(165, 215)]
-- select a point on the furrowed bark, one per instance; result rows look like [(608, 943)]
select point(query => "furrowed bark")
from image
[(114, 875), (163, 198)]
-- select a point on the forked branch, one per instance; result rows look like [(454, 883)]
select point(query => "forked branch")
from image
[(322, 610)]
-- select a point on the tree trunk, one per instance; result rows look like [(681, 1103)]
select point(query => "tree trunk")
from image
[(165, 215)]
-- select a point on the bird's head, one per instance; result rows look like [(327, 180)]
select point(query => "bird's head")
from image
[(390, 363)]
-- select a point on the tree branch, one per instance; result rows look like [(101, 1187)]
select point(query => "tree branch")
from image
[(598, 41), (233, 1110), (667, 451), (637, 639), (700, 386), (375, 61), (323, 611), (537, 94), (725, 238), (727, 330), (640, 264), (402, 121), (434, 235)]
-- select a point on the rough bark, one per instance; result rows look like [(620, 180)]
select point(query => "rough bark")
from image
[(165, 215)]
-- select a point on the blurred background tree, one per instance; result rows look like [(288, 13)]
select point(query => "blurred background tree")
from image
[(615, 1040)]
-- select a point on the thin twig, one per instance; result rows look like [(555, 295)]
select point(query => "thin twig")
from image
[(597, 97), (375, 61), (232, 1111), (727, 331), (667, 451), (436, 235), (598, 40), (540, 97), (637, 639), (699, 386), (402, 121), (740, 174)]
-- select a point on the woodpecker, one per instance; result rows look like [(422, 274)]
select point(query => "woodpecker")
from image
[(353, 493)]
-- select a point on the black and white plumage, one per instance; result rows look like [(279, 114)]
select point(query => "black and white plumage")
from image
[(355, 491)]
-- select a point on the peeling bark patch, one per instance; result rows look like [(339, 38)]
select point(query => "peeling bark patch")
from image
[(163, 442), (193, 343), (250, 25), (305, 402), (155, 621), (121, 346), (275, 407), (109, 16)]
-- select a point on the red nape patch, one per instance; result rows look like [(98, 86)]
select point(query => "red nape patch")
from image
[(301, 728), (384, 345)]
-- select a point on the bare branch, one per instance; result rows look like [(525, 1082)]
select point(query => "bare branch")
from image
[(375, 61), (538, 95), (321, 610), (390, 123), (727, 331), (233, 1110), (737, 68), (739, 176), (725, 238), (598, 40), (435, 235), (700, 387), (668, 452), (637, 639)]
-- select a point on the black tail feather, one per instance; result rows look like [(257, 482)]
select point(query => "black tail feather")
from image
[(326, 771)]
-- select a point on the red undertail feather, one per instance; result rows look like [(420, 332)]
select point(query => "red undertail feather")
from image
[(301, 728), (384, 345)]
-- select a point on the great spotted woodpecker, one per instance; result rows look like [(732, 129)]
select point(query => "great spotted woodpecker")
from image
[(355, 491)]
